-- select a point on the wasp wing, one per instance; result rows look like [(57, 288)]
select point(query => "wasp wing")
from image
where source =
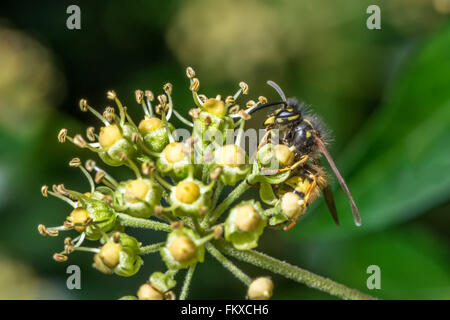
[(355, 211), (329, 200)]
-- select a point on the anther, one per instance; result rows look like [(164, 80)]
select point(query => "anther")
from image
[(99, 177), (168, 87), (139, 96), (60, 257), (90, 133), (44, 190), (75, 162), (83, 105), (62, 135), (244, 87), (89, 165), (195, 85), (262, 99), (111, 95), (149, 95), (79, 141), (190, 73)]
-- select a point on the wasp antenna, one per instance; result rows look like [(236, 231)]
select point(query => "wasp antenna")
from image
[(355, 211), (267, 105), (277, 88)]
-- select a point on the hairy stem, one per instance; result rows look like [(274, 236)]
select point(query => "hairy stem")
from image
[(187, 282), (129, 221), (292, 272), (228, 264), (151, 248)]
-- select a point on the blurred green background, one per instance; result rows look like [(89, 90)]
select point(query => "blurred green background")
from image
[(385, 94)]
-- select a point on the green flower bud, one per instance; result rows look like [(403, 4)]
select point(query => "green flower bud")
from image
[(245, 224), (102, 215), (121, 257), (260, 289), (234, 163), (139, 197), (272, 156), (154, 133), (174, 162), (116, 143), (183, 249), (163, 281), (189, 196)]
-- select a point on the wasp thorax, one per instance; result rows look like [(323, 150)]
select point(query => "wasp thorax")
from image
[(148, 292), (215, 106), (260, 289), (187, 192), (136, 191), (247, 219), (78, 216), (230, 155), (150, 124), (110, 254), (174, 152), (291, 204), (183, 249), (109, 135), (284, 155)]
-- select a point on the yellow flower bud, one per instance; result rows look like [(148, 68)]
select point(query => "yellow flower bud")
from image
[(148, 292), (183, 249), (215, 106), (109, 135), (78, 216), (136, 190), (110, 254), (284, 155), (187, 192), (291, 204), (230, 155), (247, 219), (260, 289), (174, 152), (149, 125)]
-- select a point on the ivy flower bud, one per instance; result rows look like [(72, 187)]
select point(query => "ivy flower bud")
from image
[(120, 255), (245, 224), (174, 161), (189, 197), (291, 205), (148, 292), (139, 197), (271, 157), (234, 163), (115, 143), (216, 107), (103, 218), (154, 133), (183, 248), (260, 289)]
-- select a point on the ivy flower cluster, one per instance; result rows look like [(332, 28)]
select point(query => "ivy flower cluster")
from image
[(176, 187)]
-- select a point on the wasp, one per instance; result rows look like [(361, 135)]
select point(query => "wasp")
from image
[(305, 135)]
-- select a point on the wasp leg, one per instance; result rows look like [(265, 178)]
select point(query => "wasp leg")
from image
[(302, 160), (252, 185), (264, 138), (305, 201)]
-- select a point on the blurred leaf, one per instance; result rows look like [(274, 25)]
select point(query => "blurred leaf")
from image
[(412, 261), (403, 155)]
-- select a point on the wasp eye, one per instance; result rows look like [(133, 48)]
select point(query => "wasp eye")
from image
[(308, 134)]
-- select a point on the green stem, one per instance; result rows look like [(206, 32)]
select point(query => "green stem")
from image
[(292, 272), (129, 221), (151, 248), (187, 282), (228, 264), (236, 193)]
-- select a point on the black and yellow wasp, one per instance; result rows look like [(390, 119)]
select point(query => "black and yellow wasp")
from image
[(304, 133)]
